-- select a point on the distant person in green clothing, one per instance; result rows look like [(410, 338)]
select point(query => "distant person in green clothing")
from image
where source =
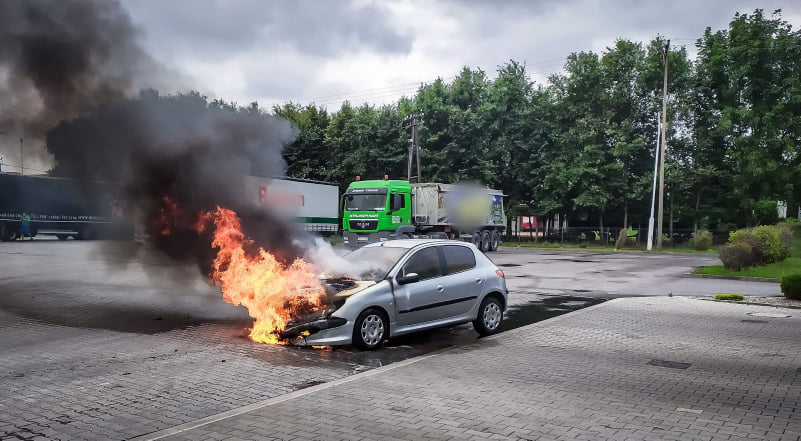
[(25, 226)]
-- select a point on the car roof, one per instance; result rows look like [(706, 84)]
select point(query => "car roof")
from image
[(411, 243)]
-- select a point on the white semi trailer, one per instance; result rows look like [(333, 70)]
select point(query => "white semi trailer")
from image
[(312, 205)]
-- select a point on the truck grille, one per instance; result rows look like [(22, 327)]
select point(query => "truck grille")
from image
[(363, 224)]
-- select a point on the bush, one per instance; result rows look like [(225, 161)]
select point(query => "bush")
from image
[(736, 256), (735, 297), (766, 212), (769, 243), (702, 240), (791, 286)]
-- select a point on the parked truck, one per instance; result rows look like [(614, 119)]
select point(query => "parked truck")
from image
[(311, 205), (61, 207), (380, 210)]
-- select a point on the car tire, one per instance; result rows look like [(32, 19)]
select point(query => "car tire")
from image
[(477, 239), (406, 236), (485, 241), (7, 233), (490, 317), (370, 329), (495, 240)]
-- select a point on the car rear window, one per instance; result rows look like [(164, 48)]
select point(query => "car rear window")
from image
[(459, 258)]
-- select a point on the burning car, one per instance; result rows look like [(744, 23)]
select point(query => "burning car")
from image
[(404, 286)]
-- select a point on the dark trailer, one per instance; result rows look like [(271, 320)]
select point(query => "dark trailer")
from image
[(62, 207)]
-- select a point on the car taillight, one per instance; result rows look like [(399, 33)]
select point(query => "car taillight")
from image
[(500, 273)]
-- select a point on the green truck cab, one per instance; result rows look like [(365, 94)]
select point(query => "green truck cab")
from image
[(377, 210), (381, 210)]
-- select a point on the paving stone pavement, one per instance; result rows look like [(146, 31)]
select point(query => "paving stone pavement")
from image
[(65, 383), (599, 373)]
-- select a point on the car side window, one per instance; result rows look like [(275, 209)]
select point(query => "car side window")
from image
[(425, 263), (459, 258)]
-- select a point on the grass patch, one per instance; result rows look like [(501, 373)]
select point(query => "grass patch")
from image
[(735, 297), (791, 265)]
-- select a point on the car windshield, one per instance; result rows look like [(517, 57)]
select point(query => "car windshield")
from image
[(373, 263), (366, 202)]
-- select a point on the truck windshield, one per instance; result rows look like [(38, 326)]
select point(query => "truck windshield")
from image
[(366, 202)]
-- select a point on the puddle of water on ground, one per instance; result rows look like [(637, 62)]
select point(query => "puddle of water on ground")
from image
[(535, 311)]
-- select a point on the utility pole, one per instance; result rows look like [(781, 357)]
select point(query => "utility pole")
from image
[(650, 243), (662, 148), (414, 147)]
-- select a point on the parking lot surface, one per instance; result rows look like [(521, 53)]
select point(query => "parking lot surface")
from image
[(634, 369), (101, 343)]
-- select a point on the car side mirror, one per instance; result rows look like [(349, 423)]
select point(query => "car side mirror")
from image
[(408, 278)]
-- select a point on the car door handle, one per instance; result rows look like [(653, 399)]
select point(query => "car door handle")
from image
[(440, 288), (478, 280)]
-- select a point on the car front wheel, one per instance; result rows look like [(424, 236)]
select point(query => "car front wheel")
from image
[(370, 330), (490, 316)]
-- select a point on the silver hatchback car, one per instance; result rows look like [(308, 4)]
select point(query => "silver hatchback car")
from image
[(405, 286)]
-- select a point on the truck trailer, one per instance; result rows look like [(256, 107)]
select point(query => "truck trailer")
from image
[(380, 210), (61, 207), (310, 205)]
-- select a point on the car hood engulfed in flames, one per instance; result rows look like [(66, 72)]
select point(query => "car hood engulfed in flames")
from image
[(337, 291)]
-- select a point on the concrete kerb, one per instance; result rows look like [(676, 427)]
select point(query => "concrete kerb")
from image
[(740, 302), (749, 279), (310, 390)]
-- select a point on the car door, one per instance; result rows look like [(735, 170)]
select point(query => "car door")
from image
[(421, 301), (463, 283)]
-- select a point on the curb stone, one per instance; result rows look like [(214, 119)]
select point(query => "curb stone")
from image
[(743, 278), (740, 302)]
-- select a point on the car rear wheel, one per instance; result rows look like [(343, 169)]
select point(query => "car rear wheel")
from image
[(370, 329), (490, 317)]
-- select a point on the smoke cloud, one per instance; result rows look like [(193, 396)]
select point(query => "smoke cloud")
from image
[(72, 73)]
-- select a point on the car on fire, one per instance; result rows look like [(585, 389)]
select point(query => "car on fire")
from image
[(405, 286)]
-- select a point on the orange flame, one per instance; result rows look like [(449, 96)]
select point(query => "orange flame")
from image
[(272, 292)]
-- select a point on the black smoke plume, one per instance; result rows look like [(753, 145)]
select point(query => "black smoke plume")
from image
[(72, 70)]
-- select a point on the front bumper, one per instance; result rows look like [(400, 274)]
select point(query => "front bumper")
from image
[(357, 240), (341, 335), (319, 332)]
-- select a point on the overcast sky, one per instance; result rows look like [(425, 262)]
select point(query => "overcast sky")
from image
[(327, 51)]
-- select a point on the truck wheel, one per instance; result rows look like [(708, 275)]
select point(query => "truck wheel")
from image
[(7, 233), (495, 240), (485, 241), (83, 234), (477, 239)]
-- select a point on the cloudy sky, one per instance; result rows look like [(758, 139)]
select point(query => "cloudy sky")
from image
[(375, 51)]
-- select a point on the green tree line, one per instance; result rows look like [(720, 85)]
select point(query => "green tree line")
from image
[(583, 143)]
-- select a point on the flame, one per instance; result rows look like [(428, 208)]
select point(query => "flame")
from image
[(272, 292)]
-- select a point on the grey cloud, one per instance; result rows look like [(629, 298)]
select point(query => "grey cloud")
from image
[(214, 29)]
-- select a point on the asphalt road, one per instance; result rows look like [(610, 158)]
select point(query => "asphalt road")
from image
[(105, 340)]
